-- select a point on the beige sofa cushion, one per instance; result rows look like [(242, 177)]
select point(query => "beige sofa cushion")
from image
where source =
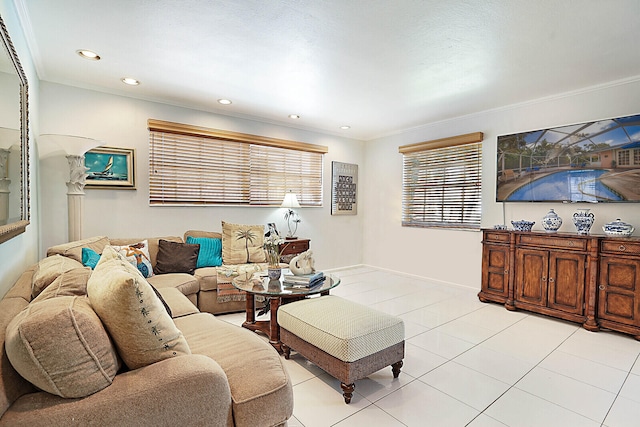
[(242, 244), (132, 313), (74, 249), (60, 346), (179, 304), (69, 283), (260, 386), (49, 269)]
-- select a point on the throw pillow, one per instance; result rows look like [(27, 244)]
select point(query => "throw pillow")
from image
[(60, 346), (132, 313), (48, 270), (90, 258), (210, 254), (138, 255), (69, 283), (242, 244), (174, 257)]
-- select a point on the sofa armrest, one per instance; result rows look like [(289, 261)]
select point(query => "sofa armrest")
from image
[(184, 390)]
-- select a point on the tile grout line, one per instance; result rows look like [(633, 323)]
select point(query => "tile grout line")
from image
[(621, 387)]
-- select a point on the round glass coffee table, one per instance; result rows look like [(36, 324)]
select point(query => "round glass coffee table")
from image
[(277, 292)]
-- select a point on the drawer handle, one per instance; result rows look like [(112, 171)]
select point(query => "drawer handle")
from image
[(550, 279), (506, 272), (570, 243), (622, 248), (602, 287), (544, 278)]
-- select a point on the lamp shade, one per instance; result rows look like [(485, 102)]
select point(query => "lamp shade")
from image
[(72, 145), (290, 201)]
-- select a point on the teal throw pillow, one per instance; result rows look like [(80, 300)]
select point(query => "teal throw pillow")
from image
[(210, 254), (90, 258)]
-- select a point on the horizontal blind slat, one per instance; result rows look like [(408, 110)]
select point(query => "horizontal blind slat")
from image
[(442, 187), (193, 169)]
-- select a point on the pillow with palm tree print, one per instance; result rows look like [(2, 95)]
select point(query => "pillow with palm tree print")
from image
[(242, 244)]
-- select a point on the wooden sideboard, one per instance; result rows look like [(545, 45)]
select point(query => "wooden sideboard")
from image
[(590, 279)]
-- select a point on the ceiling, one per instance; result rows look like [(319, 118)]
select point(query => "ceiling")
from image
[(378, 66)]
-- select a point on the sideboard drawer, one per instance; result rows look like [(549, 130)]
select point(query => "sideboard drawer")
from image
[(290, 247), (620, 246), (551, 241), (495, 236)]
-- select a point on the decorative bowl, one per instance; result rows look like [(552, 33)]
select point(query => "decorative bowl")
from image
[(522, 225), (618, 228)]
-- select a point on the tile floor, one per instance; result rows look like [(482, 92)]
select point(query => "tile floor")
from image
[(473, 364)]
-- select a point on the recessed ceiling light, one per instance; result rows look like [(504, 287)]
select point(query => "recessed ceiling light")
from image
[(88, 54), (224, 101), (294, 116), (345, 127), (130, 81)]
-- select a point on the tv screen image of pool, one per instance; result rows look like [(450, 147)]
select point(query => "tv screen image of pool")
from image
[(596, 161)]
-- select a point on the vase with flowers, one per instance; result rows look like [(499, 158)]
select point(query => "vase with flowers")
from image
[(273, 246)]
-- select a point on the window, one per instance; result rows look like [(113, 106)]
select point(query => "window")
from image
[(441, 183), (623, 158), (190, 165)]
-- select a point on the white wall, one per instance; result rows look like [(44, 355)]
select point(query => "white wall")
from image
[(455, 256), (122, 122), (22, 251)]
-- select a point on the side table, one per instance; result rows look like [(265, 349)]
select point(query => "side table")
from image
[(292, 247)]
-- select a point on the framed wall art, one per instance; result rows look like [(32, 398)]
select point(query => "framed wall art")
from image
[(596, 161), (110, 167), (344, 188)]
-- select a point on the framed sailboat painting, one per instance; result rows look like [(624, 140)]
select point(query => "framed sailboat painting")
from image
[(109, 167)]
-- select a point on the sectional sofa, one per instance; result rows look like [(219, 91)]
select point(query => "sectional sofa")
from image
[(103, 347), (200, 286)]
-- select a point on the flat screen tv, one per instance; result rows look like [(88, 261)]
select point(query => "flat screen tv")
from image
[(589, 162)]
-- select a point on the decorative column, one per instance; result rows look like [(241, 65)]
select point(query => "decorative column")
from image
[(75, 147), (75, 195)]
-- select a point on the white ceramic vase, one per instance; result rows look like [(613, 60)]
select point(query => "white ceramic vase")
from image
[(551, 221), (583, 220)]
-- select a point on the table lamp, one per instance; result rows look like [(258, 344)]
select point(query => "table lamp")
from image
[(289, 202)]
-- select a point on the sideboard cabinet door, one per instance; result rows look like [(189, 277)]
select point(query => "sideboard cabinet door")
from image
[(566, 282), (496, 266), (619, 292), (532, 267), (495, 271)]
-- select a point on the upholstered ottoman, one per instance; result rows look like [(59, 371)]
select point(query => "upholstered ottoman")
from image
[(347, 340)]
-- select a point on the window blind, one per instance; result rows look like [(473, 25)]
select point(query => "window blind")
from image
[(442, 183), (189, 165)]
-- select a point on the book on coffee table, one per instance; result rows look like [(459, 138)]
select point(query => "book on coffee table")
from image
[(307, 280)]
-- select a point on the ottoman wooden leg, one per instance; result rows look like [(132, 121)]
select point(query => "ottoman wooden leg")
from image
[(395, 368), (347, 391), (286, 350)]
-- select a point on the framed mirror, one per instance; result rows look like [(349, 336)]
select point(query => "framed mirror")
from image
[(14, 141)]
